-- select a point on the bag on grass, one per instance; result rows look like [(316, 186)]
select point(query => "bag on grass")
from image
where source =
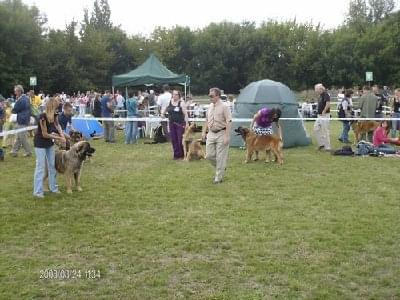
[(345, 151), (364, 148)]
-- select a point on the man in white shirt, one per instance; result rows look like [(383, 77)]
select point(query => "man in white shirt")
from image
[(120, 102), (163, 101), (120, 106)]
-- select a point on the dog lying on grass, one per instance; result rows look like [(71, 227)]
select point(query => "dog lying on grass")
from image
[(70, 162), (192, 148), (267, 143)]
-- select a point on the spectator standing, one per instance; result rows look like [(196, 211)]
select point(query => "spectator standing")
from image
[(386, 93), (381, 101), (120, 104), (97, 106), (218, 125), (163, 101), (368, 104), (321, 125), (345, 111), (65, 118), (8, 140), (22, 108), (396, 112), (107, 110), (82, 105), (2, 114), (131, 126)]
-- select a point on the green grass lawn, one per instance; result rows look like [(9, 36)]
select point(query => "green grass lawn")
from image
[(319, 227)]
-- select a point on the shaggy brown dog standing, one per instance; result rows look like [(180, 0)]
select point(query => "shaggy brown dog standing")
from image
[(69, 162), (267, 143)]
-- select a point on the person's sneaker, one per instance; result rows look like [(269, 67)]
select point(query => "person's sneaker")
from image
[(320, 148), (340, 139), (217, 181), (56, 192), (38, 195)]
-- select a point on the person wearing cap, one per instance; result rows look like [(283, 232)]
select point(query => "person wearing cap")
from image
[(218, 125)]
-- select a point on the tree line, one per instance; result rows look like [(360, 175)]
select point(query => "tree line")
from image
[(86, 54)]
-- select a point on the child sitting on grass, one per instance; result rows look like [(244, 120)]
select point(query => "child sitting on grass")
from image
[(381, 140)]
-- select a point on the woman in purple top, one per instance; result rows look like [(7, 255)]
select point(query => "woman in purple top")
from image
[(263, 119)]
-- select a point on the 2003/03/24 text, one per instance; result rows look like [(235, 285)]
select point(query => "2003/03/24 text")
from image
[(65, 274)]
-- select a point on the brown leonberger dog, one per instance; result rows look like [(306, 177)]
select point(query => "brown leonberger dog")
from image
[(192, 148), (69, 162), (256, 143), (362, 127)]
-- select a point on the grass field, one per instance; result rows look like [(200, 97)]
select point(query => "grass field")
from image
[(318, 227)]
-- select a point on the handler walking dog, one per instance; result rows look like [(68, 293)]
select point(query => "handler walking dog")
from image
[(218, 125)]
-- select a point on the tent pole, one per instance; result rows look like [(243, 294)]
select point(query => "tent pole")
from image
[(185, 93), (189, 86)]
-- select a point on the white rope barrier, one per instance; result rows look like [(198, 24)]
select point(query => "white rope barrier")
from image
[(15, 131), (159, 119)]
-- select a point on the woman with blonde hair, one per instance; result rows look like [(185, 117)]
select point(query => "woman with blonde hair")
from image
[(48, 130)]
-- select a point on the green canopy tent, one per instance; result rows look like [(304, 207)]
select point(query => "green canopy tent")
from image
[(268, 93), (152, 71)]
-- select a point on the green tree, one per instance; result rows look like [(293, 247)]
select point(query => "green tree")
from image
[(21, 30)]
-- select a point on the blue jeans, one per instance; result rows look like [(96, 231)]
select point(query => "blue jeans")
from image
[(131, 128), (43, 156), (345, 132), (395, 125), (387, 149)]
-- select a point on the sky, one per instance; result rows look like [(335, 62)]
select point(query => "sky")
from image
[(141, 17)]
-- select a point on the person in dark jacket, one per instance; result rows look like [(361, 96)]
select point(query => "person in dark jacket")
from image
[(22, 108), (97, 106), (178, 120)]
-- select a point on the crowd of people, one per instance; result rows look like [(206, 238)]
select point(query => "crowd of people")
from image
[(53, 116), (370, 105)]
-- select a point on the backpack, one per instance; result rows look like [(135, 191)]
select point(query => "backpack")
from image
[(341, 112), (364, 148), (159, 136)]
